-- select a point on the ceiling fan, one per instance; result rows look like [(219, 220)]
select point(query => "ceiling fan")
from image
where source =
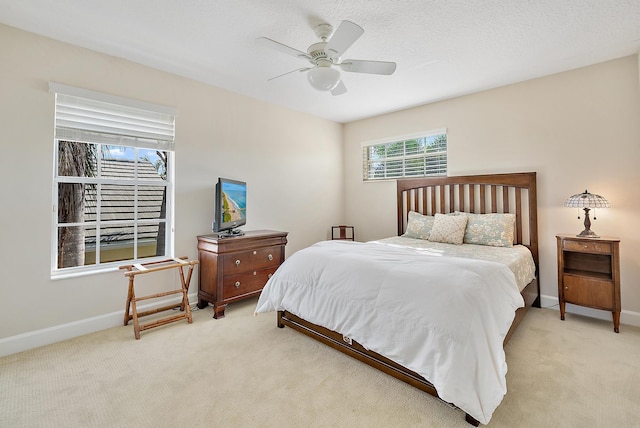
[(326, 54)]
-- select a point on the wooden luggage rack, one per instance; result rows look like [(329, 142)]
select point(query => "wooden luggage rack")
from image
[(144, 268)]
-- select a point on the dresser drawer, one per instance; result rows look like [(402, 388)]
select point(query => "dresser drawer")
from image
[(587, 247), (243, 283), (591, 292), (251, 260)]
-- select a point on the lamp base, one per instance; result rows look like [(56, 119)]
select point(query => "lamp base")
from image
[(587, 233)]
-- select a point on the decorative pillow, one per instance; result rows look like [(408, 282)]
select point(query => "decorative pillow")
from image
[(495, 229), (418, 225), (448, 229)]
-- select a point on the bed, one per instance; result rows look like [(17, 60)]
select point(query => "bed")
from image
[(360, 298)]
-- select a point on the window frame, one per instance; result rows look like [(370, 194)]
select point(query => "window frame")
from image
[(366, 161), (137, 145)]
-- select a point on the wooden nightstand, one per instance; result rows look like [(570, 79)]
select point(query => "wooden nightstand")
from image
[(589, 274)]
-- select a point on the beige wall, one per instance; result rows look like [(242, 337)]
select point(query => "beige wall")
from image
[(290, 161), (577, 130)]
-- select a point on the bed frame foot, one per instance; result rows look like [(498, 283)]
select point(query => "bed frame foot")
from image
[(471, 420), (280, 324)]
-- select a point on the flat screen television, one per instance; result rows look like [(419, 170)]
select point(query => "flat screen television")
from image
[(230, 207)]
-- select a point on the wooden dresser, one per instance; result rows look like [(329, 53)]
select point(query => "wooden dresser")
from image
[(589, 274), (234, 268)]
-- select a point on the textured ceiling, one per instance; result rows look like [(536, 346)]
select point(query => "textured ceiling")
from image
[(443, 48)]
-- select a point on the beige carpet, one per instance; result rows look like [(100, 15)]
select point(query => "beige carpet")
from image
[(242, 371)]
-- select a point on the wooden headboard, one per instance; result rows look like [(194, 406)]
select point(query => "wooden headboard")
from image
[(491, 193)]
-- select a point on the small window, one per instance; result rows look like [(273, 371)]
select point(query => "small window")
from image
[(113, 183), (412, 157)]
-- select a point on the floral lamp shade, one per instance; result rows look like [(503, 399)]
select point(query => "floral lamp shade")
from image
[(587, 201)]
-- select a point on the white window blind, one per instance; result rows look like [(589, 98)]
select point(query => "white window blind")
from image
[(416, 156), (83, 115)]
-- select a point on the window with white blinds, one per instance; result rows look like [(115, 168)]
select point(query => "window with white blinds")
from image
[(416, 156), (113, 181)]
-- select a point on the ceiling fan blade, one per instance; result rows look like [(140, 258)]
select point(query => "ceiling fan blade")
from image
[(264, 41), (339, 89), (289, 72), (344, 36), (371, 67)]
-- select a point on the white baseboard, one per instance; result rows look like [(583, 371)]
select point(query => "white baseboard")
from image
[(626, 317), (46, 336), (49, 335)]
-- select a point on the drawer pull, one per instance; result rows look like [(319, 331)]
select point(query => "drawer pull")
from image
[(270, 275), (237, 284), (237, 262), (254, 273), (270, 257), (255, 252)]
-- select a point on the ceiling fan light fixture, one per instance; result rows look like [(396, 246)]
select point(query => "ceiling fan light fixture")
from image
[(323, 78)]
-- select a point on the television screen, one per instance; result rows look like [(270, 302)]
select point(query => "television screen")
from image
[(231, 205)]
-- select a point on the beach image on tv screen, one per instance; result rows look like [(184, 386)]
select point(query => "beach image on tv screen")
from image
[(234, 202)]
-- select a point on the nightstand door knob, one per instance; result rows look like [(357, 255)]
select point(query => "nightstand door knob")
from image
[(237, 262), (566, 287), (270, 257), (237, 284)]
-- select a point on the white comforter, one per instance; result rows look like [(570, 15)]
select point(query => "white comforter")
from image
[(442, 317)]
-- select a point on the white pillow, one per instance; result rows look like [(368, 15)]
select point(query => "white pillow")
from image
[(448, 229)]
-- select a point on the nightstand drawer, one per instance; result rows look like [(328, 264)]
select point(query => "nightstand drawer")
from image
[(587, 246), (591, 292)]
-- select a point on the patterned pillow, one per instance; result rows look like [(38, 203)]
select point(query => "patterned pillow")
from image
[(495, 230), (448, 229), (418, 226)]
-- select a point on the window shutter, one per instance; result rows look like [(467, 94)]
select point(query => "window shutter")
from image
[(83, 115)]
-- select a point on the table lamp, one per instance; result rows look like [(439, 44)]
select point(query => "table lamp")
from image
[(587, 201)]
